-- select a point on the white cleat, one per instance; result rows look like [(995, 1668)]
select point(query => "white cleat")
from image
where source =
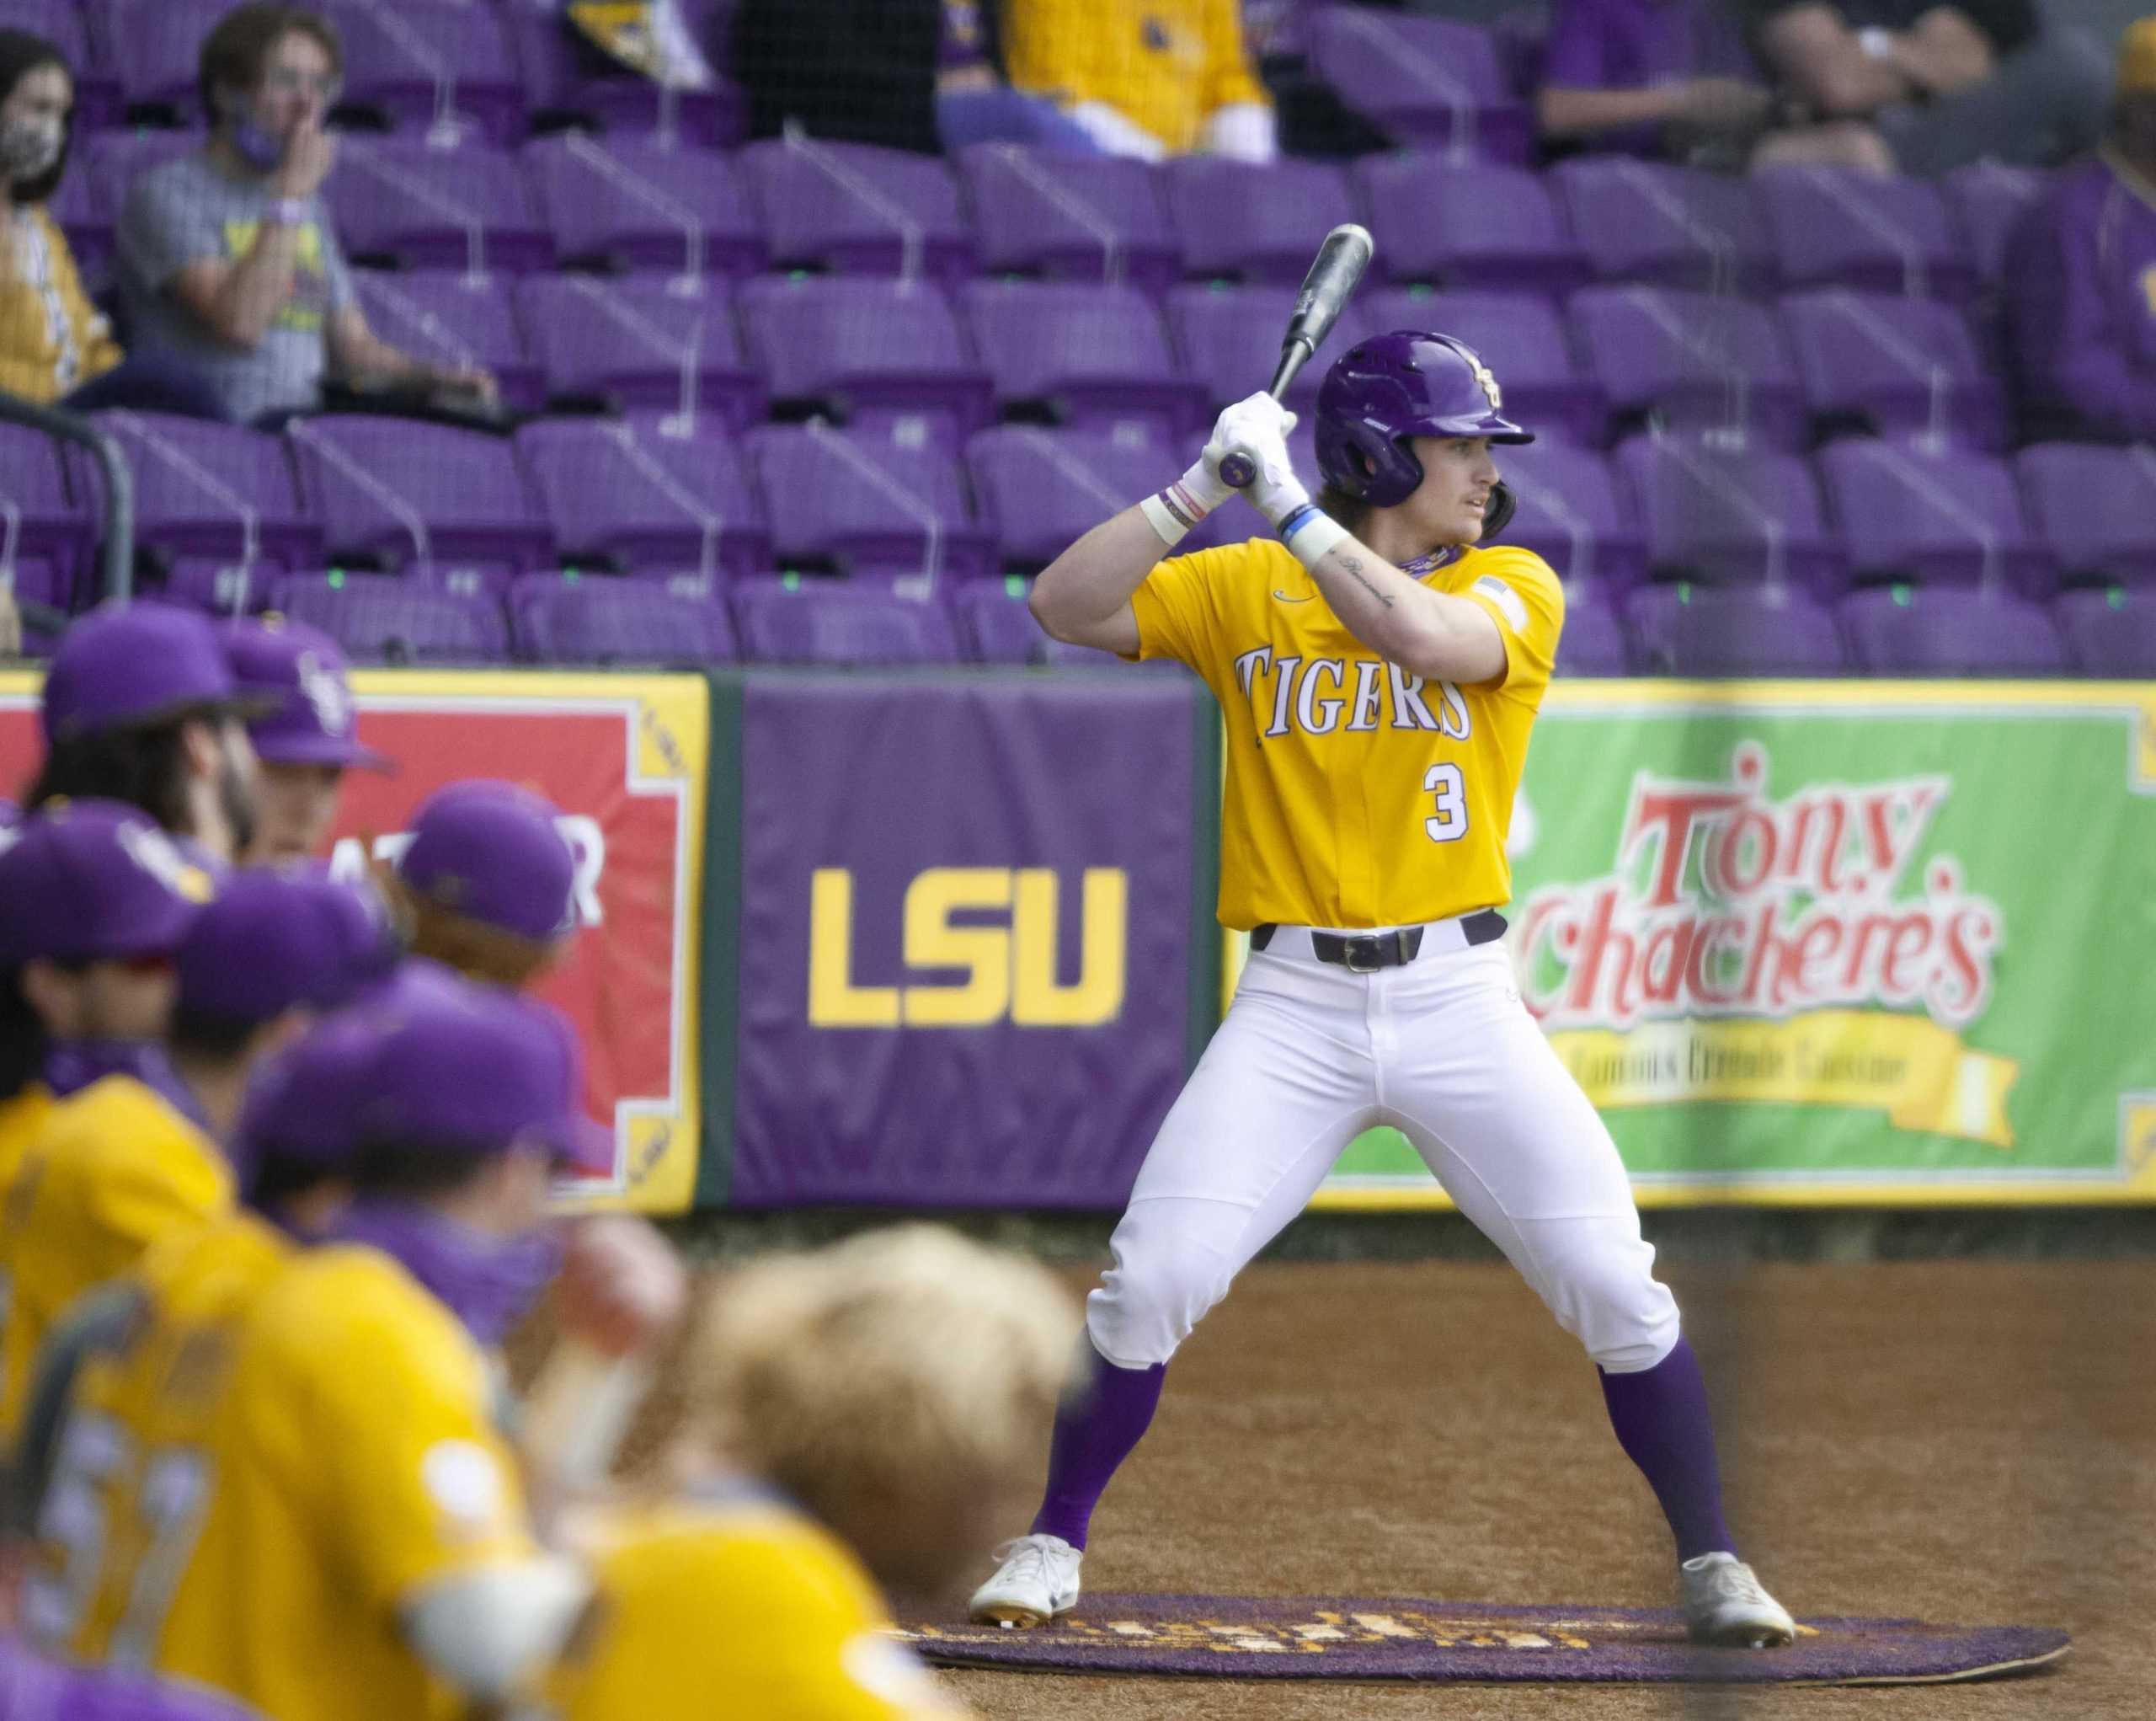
[(1037, 1580), (1724, 1605)]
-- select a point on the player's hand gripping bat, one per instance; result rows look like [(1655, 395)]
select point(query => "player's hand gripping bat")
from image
[(1339, 266)]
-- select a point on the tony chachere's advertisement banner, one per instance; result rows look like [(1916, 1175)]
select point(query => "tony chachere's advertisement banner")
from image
[(623, 757), (966, 934), (1829, 943)]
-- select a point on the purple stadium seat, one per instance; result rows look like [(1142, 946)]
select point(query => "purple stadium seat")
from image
[(1593, 639), (865, 506), (469, 208), (566, 79), (1070, 217), (1833, 229), (1641, 221), (1255, 222), (645, 503), (1230, 337), (2110, 632), (1041, 490), (217, 503), (1472, 224), (827, 622), (853, 209), (1693, 363), (1732, 516), (606, 622), (1917, 631), (1989, 201), (640, 342), (1422, 81), (153, 51), (1774, 630), (1526, 346), (47, 537), (1087, 355), (1573, 514), (2096, 507), (446, 318), (1950, 516), (383, 618), (994, 624), (878, 355), (1896, 366), (639, 203), (435, 67), (433, 501)]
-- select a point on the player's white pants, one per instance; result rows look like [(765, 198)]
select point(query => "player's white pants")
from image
[(1312, 1055)]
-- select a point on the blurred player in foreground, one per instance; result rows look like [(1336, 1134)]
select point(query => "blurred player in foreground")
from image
[(1380, 671), (128, 1160), (297, 1487), (140, 706), (489, 883), (307, 742), (862, 1415)]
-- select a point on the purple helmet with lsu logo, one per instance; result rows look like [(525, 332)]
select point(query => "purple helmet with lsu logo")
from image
[(1384, 390)]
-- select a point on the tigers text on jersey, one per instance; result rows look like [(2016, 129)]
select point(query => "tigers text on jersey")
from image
[(309, 1440), (736, 1607), (1358, 795), (115, 1169)]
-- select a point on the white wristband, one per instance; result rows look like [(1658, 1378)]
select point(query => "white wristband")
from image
[(1311, 533), (1175, 511)]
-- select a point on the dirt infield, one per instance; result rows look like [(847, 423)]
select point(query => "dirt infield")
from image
[(1973, 1442)]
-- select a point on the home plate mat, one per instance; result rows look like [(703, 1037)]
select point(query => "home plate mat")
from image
[(1242, 1637)]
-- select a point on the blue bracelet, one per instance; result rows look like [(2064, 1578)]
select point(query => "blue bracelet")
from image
[(1296, 518)]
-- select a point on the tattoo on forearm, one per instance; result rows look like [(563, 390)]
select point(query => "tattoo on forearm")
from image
[(1355, 570)]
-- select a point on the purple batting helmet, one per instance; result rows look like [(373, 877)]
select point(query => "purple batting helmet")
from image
[(1392, 387)]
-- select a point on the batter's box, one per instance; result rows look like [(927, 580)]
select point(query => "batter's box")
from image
[(1242, 1637)]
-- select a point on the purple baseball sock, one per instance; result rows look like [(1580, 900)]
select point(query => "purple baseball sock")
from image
[(1096, 1428), (1663, 1424)]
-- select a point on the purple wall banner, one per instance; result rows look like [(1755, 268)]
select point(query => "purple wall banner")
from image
[(966, 934)]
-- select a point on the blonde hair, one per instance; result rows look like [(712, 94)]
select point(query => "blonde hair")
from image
[(887, 1373)]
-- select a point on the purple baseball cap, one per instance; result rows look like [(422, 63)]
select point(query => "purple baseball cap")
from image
[(427, 1057), (95, 881), (278, 939), (134, 665), (490, 850), (304, 670)]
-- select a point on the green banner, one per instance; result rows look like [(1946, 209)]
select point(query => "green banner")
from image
[(1811, 942)]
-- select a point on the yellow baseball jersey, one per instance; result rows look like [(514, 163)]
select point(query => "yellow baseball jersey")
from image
[(1165, 64), (115, 1168), (1358, 795), (735, 1607), (340, 1422)]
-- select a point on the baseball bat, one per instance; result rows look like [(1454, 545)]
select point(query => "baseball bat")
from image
[(1333, 277)]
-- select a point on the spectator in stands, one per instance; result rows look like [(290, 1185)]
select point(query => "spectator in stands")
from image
[(1943, 85), (2081, 277), (1150, 79), (140, 706), (974, 106), (56, 346), (227, 259), (859, 1411)]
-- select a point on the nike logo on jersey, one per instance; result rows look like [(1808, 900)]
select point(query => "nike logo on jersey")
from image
[(1284, 598), (1312, 696)]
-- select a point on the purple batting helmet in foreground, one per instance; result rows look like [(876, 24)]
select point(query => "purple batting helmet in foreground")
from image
[(1384, 390)]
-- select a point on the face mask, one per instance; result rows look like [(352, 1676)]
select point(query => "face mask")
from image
[(489, 1282), (72, 1064), (28, 147)]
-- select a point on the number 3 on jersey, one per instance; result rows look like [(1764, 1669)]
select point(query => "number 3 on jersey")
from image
[(1449, 823)]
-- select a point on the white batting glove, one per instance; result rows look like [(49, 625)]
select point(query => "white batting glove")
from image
[(1259, 426)]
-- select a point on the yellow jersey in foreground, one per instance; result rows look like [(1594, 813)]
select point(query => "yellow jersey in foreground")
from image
[(1358, 795), (115, 1169), (736, 1607)]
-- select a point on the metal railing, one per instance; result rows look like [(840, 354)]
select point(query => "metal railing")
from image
[(116, 555)]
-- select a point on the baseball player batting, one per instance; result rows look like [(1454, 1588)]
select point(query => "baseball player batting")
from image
[(1380, 671)]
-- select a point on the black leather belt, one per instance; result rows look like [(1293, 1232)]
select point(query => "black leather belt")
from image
[(1367, 953)]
